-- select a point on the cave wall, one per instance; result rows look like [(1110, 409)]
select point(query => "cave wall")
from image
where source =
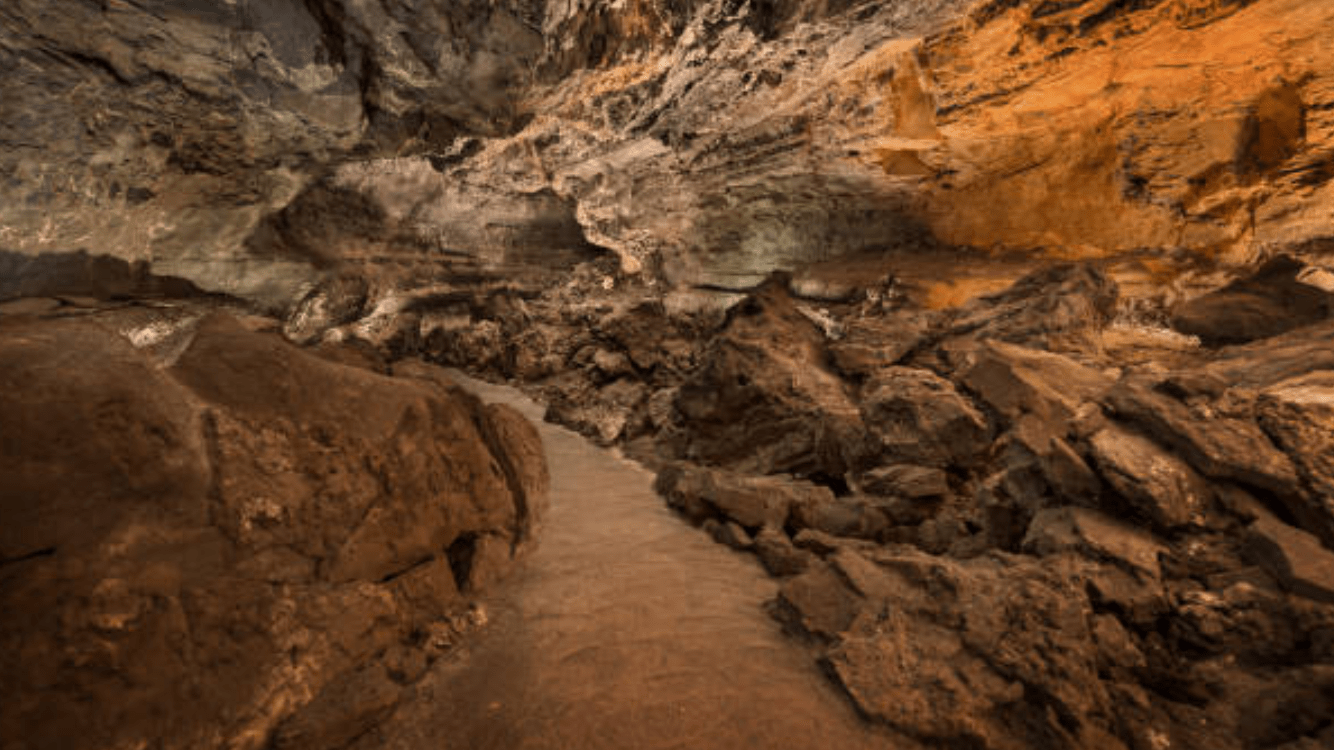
[(254, 148)]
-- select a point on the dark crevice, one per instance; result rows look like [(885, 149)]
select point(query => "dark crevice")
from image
[(34, 555), (460, 554)]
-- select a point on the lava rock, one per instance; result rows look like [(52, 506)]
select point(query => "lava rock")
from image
[(1155, 482), (1272, 300), (1294, 557), (920, 417), (1299, 415)]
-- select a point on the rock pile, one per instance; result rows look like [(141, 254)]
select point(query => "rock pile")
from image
[(997, 532)]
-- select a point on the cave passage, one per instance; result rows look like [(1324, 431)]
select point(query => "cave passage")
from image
[(626, 628)]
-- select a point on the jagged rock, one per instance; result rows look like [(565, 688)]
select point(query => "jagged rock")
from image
[(906, 480), (1270, 301), (1096, 534), (605, 414), (203, 121), (1218, 447), (852, 517), (1299, 415), (1294, 557), (612, 364), (1062, 304), (252, 521), (1040, 443), (1156, 483), (778, 555), (1018, 381), (763, 401), (345, 709), (871, 344), (729, 533), (335, 302), (920, 417), (955, 652), (753, 502), (820, 601), (1270, 361)]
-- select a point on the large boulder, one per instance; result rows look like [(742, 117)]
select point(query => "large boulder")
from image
[(234, 535), (920, 417), (1270, 301), (993, 652), (1156, 483), (1299, 415), (1057, 306), (763, 399), (1218, 446)]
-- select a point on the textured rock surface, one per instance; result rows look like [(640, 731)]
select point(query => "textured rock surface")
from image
[(703, 141), (236, 545)]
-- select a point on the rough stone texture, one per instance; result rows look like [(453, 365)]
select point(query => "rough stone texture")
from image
[(1268, 302), (1219, 447), (1299, 415), (1015, 381), (763, 399), (920, 417), (753, 502), (1155, 482), (240, 536), (1095, 533), (1294, 557), (1056, 306), (906, 480), (167, 133)]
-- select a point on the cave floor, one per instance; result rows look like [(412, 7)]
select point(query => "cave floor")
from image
[(625, 628)]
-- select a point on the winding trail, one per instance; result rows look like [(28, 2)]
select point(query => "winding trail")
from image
[(625, 629)]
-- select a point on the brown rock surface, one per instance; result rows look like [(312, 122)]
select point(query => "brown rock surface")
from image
[(241, 536)]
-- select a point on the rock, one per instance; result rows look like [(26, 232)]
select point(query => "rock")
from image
[(1037, 443), (612, 364), (818, 542), (606, 414), (345, 709), (729, 534), (1156, 483), (819, 601), (1294, 557), (1095, 534), (249, 513), (1218, 447), (335, 302), (1017, 381), (778, 555), (1062, 304), (213, 120), (871, 344), (662, 408), (906, 480), (753, 502), (1270, 301), (919, 417), (953, 652), (852, 517), (762, 400), (1267, 362), (29, 306), (1299, 415)]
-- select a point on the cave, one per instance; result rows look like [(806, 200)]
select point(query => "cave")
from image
[(517, 374)]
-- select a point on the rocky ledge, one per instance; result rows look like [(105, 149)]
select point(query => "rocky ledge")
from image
[(215, 539)]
